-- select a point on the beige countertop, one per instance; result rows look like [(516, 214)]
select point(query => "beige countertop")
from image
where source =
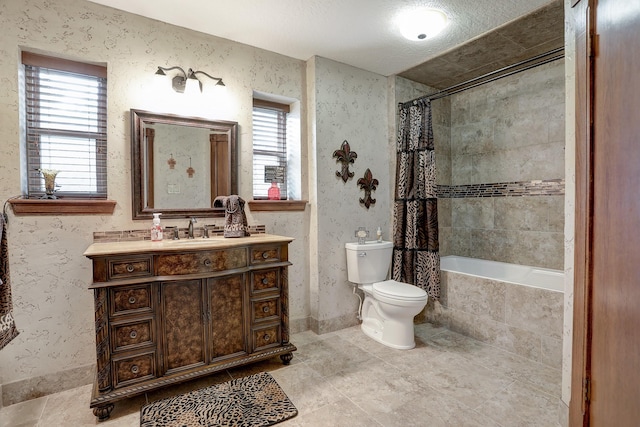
[(167, 245)]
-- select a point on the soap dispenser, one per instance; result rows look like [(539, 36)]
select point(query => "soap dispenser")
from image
[(156, 228), (379, 234)]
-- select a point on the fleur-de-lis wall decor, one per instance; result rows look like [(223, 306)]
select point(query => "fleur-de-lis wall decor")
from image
[(368, 183), (345, 156)]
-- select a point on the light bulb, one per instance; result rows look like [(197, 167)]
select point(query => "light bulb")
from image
[(422, 24)]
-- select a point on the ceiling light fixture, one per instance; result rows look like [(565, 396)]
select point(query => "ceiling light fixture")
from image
[(421, 24), (180, 82)]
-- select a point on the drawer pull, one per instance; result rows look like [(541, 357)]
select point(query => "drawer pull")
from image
[(130, 268), (265, 255), (135, 369), (265, 281), (207, 262), (133, 334), (266, 337), (265, 309), (132, 300)]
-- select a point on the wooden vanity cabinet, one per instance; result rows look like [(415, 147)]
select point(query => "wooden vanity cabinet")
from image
[(172, 312)]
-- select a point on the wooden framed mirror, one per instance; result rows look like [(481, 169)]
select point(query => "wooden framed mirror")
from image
[(181, 164)]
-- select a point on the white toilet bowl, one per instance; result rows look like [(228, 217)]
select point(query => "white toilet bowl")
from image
[(388, 311), (389, 306)]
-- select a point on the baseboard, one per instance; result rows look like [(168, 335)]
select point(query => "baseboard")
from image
[(331, 325), (32, 388)]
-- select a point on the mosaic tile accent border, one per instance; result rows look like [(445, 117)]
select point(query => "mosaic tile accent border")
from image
[(550, 187), (134, 235)]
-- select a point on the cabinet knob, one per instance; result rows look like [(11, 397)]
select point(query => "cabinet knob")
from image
[(265, 255), (135, 369), (133, 334), (265, 309), (265, 281), (266, 337), (130, 268), (132, 300), (207, 262)]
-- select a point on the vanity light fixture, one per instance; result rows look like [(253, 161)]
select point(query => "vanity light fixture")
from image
[(420, 24), (180, 82)]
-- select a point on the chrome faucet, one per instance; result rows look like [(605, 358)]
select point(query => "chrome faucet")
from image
[(205, 231), (191, 222)]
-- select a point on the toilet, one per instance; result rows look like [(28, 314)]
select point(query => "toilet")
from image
[(389, 307)]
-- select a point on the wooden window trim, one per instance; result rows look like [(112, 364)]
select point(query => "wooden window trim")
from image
[(60, 207), (36, 60), (277, 205), (261, 103)]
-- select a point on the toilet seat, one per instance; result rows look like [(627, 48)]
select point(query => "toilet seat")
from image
[(398, 291)]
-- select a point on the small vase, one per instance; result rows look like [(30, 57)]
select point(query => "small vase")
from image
[(274, 192), (49, 182)]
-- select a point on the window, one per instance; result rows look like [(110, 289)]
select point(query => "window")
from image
[(269, 147), (66, 126)]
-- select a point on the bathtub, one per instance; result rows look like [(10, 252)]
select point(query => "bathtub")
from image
[(514, 307), (537, 277)]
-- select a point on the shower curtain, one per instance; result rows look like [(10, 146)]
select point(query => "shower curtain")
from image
[(415, 214), (8, 329)]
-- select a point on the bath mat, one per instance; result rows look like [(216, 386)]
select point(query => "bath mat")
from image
[(253, 401)]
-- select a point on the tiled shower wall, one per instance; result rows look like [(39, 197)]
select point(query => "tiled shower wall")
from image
[(502, 192)]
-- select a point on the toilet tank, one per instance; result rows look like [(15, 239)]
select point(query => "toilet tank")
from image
[(368, 262)]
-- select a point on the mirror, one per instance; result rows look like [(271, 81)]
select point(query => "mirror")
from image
[(181, 164)]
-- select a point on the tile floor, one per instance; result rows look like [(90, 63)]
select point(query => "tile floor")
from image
[(347, 379)]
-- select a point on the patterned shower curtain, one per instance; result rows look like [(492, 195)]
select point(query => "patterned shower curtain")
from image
[(8, 329), (415, 214)]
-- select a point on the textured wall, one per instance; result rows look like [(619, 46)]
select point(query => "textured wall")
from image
[(510, 130), (50, 276), (346, 104)]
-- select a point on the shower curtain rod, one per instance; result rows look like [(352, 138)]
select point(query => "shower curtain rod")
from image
[(527, 64)]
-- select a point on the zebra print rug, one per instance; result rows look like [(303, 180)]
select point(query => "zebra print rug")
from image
[(253, 401)]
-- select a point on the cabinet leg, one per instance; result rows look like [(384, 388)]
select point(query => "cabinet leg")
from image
[(286, 358), (103, 412)]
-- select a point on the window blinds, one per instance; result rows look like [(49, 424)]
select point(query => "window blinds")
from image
[(269, 148), (66, 118)]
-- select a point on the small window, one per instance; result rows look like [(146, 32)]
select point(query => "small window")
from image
[(66, 126), (269, 149)]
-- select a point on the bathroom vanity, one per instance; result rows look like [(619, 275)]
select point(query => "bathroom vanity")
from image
[(171, 311)]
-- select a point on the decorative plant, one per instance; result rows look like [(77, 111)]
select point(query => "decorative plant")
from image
[(368, 183), (345, 156)]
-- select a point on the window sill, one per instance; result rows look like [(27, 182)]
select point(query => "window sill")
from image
[(277, 205), (22, 207)]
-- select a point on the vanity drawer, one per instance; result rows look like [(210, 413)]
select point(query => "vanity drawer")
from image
[(131, 299), (134, 369), (265, 281), (131, 335), (265, 254), (123, 268), (265, 309), (201, 262), (266, 337)]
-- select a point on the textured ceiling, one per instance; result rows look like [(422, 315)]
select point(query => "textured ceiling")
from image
[(361, 33), (527, 37)]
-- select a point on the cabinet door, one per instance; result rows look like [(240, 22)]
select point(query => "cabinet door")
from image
[(227, 308), (183, 331)]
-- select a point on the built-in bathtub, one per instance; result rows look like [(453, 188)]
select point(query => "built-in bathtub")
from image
[(514, 307), (537, 277)]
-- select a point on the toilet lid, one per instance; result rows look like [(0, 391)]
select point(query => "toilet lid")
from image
[(399, 290)]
